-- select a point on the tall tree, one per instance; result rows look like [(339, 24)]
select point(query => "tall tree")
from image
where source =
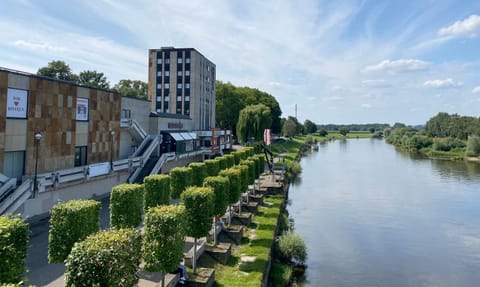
[(228, 106), (58, 70), (291, 127), (132, 88), (309, 127), (252, 122), (93, 79)]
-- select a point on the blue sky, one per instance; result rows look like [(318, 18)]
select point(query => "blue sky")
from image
[(338, 61)]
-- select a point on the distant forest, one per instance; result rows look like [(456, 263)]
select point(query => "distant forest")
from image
[(354, 127)]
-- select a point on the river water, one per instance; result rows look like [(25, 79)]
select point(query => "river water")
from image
[(372, 215)]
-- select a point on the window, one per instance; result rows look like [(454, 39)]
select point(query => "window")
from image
[(179, 73), (179, 85), (167, 73), (167, 61), (126, 114), (159, 73), (187, 73), (187, 60), (14, 164), (159, 61), (208, 68), (179, 98), (159, 86), (187, 85), (167, 98), (159, 110), (80, 155), (167, 86), (179, 60), (187, 98), (159, 99)]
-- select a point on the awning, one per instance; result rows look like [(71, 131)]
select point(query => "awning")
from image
[(177, 136)]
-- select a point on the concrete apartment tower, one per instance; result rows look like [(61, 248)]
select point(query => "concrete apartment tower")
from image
[(181, 81)]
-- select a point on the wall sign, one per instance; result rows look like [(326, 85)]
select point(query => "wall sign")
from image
[(17, 102), (82, 109)]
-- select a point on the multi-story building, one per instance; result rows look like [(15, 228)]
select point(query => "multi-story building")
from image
[(181, 81)]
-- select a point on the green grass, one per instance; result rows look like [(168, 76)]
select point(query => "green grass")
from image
[(456, 153), (263, 227)]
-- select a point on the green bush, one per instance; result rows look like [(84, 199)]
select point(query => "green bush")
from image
[(212, 167), (157, 190), (13, 248), (163, 241), (230, 160), (198, 202), (126, 205), (107, 258), (292, 247), (473, 146), (71, 222), (250, 164), (249, 151), (199, 172), (419, 141), (237, 156), (180, 178), (243, 177), (234, 187), (261, 163), (222, 163), (220, 185), (447, 144)]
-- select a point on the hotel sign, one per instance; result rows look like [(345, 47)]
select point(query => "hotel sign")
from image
[(17, 101), (175, 125)]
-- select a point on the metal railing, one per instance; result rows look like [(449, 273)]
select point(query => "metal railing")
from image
[(17, 198), (133, 124)]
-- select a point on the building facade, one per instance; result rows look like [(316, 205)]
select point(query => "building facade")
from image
[(70, 125), (181, 81)]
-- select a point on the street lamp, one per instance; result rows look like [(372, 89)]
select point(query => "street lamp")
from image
[(38, 137), (112, 133)]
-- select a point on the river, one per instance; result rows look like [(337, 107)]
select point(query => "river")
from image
[(373, 215)]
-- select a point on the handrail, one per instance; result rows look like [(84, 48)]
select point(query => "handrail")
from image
[(145, 156), (161, 161), (7, 186), (17, 198), (138, 128), (145, 142)]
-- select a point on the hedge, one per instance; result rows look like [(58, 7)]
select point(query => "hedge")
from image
[(243, 177), (230, 160), (199, 172), (222, 163), (250, 164), (237, 156), (250, 151), (261, 162), (212, 167), (256, 162), (234, 187), (13, 248), (71, 222), (198, 202), (220, 185), (107, 258), (180, 178), (163, 240), (157, 190), (126, 205)]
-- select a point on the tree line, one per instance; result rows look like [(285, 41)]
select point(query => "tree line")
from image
[(90, 78)]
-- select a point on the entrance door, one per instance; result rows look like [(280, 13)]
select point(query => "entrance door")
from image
[(14, 164)]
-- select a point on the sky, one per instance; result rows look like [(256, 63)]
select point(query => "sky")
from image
[(372, 61)]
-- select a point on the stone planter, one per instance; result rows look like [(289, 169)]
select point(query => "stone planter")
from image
[(232, 233), (221, 252), (243, 218), (203, 278)]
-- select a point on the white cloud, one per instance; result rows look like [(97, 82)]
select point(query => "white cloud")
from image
[(366, 106), (440, 84), (333, 99), (476, 90), (376, 83), (401, 65), (468, 27)]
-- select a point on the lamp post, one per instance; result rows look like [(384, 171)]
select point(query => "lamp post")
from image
[(112, 133), (38, 137)]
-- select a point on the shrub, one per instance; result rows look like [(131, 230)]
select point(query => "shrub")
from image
[(107, 258), (323, 133), (157, 190), (261, 163), (13, 248), (250, 164), (243, 177), (71, 222), (473, 146), (199, 172), (419, 142), (163, 241), (199, 210), (212, 167), (446, 144), (126, 205), (292, 247), (309, 139), (220, 185), (234, 187), (295, 168), (237, 157), (180, 178), (222, 163), (230, 160)]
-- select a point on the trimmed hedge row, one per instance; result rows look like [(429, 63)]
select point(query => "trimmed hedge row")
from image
[(222, 163), (163, 238), (230, 160), (243, 177), (13, 248), (220, 186), (234, 187), (198, 202), (180, 178), (107, 258), (71, 222), (199, 172), (250, 164), (212, 166), (157, 190), (126, 205)]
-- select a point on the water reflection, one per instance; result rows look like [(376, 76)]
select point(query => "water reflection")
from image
[(375, 216)]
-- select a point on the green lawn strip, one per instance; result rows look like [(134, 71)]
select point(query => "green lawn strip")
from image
[(257, 242)]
